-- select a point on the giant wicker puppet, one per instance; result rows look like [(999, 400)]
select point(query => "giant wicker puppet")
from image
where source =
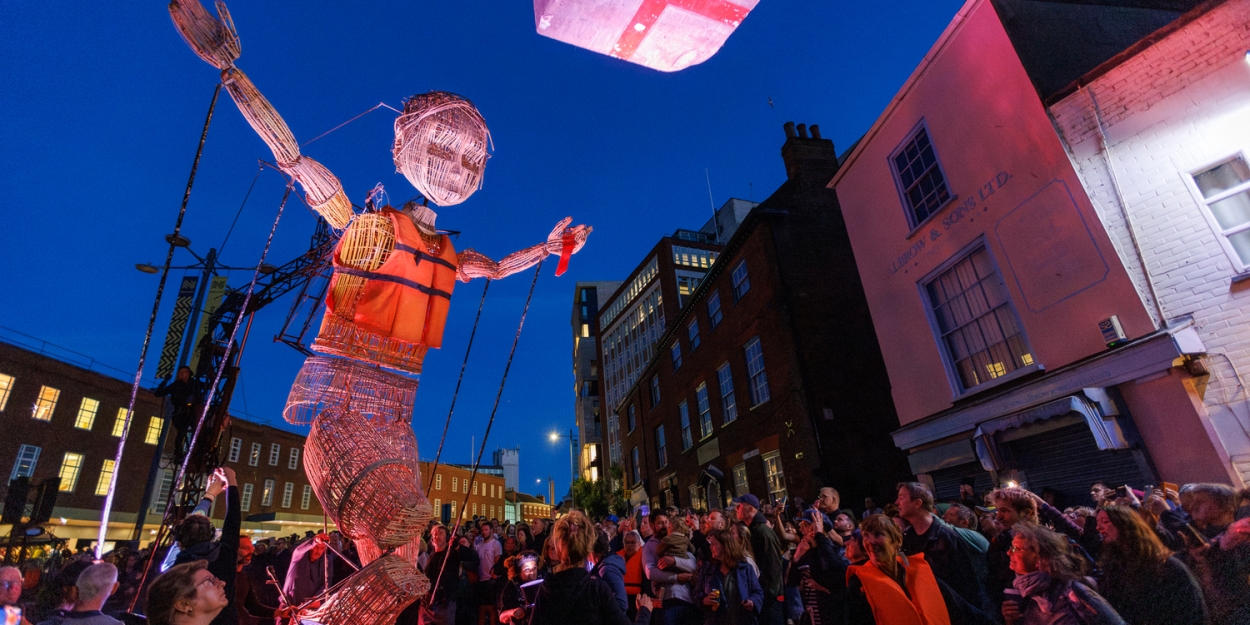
[(388, 300)]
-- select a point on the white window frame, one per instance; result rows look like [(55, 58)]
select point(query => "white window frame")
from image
[(438, 481), (153, 434), (288, 490), (692, 334), (655, 390), (28, 455), (741, 281), (636, 472), (705, 410), (741, 484), (714, 314), (253, 458), (275, 454), (728, 401), (1221, 235), (775, 479), (757, 373), (236, 447), (119, 423), (306, 497), (293, 461), (661, 446), (266, 493), (674, 352), (687, 434), (245, 499)]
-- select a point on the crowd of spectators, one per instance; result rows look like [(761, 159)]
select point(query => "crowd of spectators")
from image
[(1159, 556)]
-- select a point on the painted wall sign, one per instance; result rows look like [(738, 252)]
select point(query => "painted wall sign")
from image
[(961, 211)]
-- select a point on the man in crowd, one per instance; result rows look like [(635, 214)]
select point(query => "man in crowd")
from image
[(11, 591), (716, 521), (670, 576), (488, 551), (95, 584), (438, 606), (955, 559), (767, 550), (698, 539), (870, 508)]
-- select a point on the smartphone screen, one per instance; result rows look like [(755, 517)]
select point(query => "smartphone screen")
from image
[(12, 615)]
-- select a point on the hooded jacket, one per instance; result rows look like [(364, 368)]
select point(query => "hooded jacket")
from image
[(575, 596)]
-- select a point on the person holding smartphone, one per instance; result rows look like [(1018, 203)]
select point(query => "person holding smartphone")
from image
[(11, 595)]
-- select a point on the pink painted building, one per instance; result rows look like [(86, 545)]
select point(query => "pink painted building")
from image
[(1017, 345)]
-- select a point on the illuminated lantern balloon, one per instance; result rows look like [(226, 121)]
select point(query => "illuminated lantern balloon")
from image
[(440, 146), (667, 35)]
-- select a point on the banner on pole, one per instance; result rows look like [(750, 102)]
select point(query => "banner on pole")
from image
[(177, 323), (216, 289)]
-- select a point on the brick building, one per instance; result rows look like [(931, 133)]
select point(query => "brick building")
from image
[(1019, 344), (451, 485), (766, 378), (61, 419), (526, 508), (1171, 184)]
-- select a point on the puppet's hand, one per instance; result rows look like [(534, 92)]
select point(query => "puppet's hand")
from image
[(555, 240)]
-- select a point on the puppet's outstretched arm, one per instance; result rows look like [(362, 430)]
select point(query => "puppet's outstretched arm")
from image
[(563, 241), (214, 39)]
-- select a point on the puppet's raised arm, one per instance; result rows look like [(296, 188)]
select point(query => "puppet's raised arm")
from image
[(214, 39), (562, 241)]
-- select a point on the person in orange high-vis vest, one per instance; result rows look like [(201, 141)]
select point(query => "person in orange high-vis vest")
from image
[(633, 568), (891, 588)]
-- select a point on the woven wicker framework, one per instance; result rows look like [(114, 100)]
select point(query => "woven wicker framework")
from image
[(214, 41), (324, 383), (375, 595), (440, 146), (367, 477)]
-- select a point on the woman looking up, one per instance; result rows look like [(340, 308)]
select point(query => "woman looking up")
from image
[(1047, 588), (186, 594), (1141, 579)]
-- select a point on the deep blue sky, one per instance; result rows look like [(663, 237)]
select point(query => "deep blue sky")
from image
[(102, 105)]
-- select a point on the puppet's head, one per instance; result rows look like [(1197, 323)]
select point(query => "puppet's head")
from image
[(440, 146)]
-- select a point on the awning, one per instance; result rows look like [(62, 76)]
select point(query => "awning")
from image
[(1106, 428)]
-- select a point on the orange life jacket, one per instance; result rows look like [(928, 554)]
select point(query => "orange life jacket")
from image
[(891, 605), (633, 572), (408, 296)]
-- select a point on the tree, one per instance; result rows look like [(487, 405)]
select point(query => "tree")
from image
[(599, 499)]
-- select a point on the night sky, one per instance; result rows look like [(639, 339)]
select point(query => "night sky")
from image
[(103, 103)]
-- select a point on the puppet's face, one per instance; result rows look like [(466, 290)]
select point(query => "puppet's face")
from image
[(440, 146)]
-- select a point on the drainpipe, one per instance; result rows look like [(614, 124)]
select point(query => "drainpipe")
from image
[(1119, 195)]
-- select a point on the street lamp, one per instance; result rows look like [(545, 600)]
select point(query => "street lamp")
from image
[(556, 436)]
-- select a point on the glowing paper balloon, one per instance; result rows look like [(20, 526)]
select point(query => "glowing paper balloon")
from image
[(667, 35)]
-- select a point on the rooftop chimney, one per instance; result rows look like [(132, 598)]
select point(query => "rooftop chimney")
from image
[(811, 159)]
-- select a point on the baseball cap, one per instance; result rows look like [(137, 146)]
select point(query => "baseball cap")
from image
[(748, 499), (613, 518)]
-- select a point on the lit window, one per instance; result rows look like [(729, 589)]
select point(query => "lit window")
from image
[(675, 351), (106, 476), (153, 435), (236, 447), (661, 449), (71, 466), (919, 176), (742, 282), (27, 458), (293, 462), (729, 406), (86, 413), (585, 330), (692, 333), (686, 285), (46, 403), (775, 476), (714, 314), (305, 499), (275, 452), (655, 391), (253, 459), (287, 491), (119, 424), (245, 500), (636, 470), (981, 337), (705, 411), (266, 494), (687, 440), (740, 480), (1225, 191), (755, 369), (6, 387)]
